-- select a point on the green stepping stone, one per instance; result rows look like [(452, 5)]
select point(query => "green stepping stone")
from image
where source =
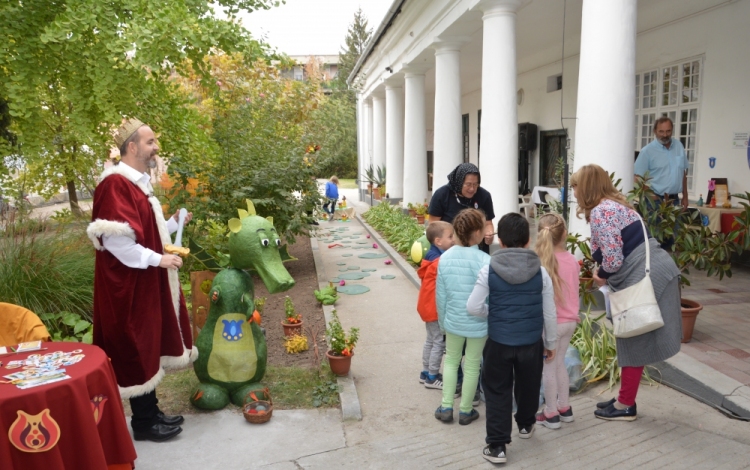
[(363, 242), (369, 270), (353, 268), (343, 270), (353, 276), (372, 255), (346, 255), (335, 280), (387, 276), (341, 264), (355, 289)]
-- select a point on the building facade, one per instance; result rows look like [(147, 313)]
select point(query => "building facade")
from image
[(447, 81)]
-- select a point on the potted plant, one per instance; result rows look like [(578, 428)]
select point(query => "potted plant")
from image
[(695, 246), (379, 190), (412, 208), (292, 322), (369, 178), (587, 291), (421, 210), (341, 345)]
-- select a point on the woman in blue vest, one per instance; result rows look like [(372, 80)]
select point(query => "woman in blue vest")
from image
[(618, 245)]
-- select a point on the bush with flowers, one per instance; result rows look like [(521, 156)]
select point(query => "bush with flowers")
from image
[(292, 317), (340, 343)]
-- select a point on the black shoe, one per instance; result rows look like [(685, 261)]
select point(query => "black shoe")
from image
[(175, 420), (495, 454), (611, 413), (604, 404), (314, 222), (157, 433)]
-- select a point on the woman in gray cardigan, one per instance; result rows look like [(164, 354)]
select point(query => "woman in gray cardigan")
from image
[(617, 244)]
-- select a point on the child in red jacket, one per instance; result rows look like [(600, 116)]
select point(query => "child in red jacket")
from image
[(440, 236)]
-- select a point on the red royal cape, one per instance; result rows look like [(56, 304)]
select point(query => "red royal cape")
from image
[(135, 319)]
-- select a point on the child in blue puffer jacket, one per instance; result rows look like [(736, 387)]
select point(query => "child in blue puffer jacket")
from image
[(457, 274)]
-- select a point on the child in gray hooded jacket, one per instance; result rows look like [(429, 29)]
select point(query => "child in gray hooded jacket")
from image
[(516, 295)]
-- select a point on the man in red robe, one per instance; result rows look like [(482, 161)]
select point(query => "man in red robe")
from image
[(140, 317)]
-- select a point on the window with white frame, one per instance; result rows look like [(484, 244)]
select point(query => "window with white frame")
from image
[(671, 90)]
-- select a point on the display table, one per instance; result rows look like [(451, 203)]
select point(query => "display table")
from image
[(552, 191), (715, 216), (77, 423)]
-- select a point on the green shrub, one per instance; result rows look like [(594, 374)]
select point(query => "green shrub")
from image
[(49, 271), (400, 230), (596, 345), (67, 326)]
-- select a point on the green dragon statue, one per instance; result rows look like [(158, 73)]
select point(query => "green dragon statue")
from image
[(232, 350)]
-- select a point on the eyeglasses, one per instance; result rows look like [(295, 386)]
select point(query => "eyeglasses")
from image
[(471, 185)]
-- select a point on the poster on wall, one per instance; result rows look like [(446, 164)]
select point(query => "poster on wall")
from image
[(740, 139)]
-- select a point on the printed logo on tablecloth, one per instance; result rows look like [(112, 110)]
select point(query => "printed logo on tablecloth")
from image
[(34, 433), (97, 406)]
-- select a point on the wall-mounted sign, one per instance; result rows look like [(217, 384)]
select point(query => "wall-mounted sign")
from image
[(740, 139)]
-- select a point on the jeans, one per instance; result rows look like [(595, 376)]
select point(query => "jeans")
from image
[(432, 352), (510, 370), (330, 206), (453, 346)]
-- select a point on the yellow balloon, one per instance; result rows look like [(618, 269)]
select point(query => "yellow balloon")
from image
[(416, 252)]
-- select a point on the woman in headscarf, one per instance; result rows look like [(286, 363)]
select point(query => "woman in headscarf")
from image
[(461, 192)]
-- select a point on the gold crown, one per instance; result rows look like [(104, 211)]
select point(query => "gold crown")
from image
[(127, 129)]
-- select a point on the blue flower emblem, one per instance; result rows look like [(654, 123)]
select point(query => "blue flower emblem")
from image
[(232, 330)]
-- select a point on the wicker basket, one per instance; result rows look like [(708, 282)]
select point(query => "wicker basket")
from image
[(253, 404)]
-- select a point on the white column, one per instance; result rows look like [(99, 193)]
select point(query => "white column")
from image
[(394, 139), (448, 146), (378, 131), (606, 91), (415, 142), (361, 139), (368, 133), (498, 152)]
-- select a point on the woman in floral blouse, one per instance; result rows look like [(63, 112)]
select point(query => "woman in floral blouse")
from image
[(617, 245)]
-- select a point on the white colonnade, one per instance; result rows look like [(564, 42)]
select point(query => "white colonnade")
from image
[(394, 138), (448, 147), (415, 145), (499, 146), (606, 91)]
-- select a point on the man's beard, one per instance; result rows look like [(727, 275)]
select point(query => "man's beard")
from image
[(665, 140), (151, 163)]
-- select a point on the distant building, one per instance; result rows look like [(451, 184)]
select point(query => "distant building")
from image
[(328, 64)]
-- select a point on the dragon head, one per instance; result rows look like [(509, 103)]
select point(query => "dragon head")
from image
[(254, 244)]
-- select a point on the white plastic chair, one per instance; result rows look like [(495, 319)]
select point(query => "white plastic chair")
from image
[(525, 204)]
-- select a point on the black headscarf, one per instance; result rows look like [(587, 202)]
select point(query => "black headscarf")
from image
[(457, 176)]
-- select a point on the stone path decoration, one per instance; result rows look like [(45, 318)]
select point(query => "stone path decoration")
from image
[(371, 255), (353, 289), (387, 276)]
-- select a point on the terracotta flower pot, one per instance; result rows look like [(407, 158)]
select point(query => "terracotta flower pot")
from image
[(291, 329), (412, 213), (690, 309), (339, 364), (420, 219)]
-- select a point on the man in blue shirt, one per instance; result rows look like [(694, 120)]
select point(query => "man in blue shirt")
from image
[(665, 161)]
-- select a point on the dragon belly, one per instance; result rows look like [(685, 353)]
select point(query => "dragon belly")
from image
[(233, 357)]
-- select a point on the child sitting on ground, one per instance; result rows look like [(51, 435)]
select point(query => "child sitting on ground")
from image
[(522, 327), (457, 272), (564, 270), (440, 236)]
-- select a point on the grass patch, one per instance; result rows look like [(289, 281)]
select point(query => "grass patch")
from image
[(290, 387), (347, 183)]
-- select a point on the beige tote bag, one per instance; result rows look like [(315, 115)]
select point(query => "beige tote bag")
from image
[(635, 310)]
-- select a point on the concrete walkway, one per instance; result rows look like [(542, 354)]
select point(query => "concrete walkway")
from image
[(397, 428)]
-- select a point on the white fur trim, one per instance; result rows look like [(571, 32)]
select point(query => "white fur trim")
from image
[(178, 362), (139, 390), (101, 227)]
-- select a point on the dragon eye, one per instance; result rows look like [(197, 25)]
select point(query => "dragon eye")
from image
[(264, 242), (278, 242)]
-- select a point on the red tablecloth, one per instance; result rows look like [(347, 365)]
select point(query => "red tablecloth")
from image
[(83, 443)]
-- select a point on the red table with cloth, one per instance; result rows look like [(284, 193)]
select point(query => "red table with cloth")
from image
[(84, 427)]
